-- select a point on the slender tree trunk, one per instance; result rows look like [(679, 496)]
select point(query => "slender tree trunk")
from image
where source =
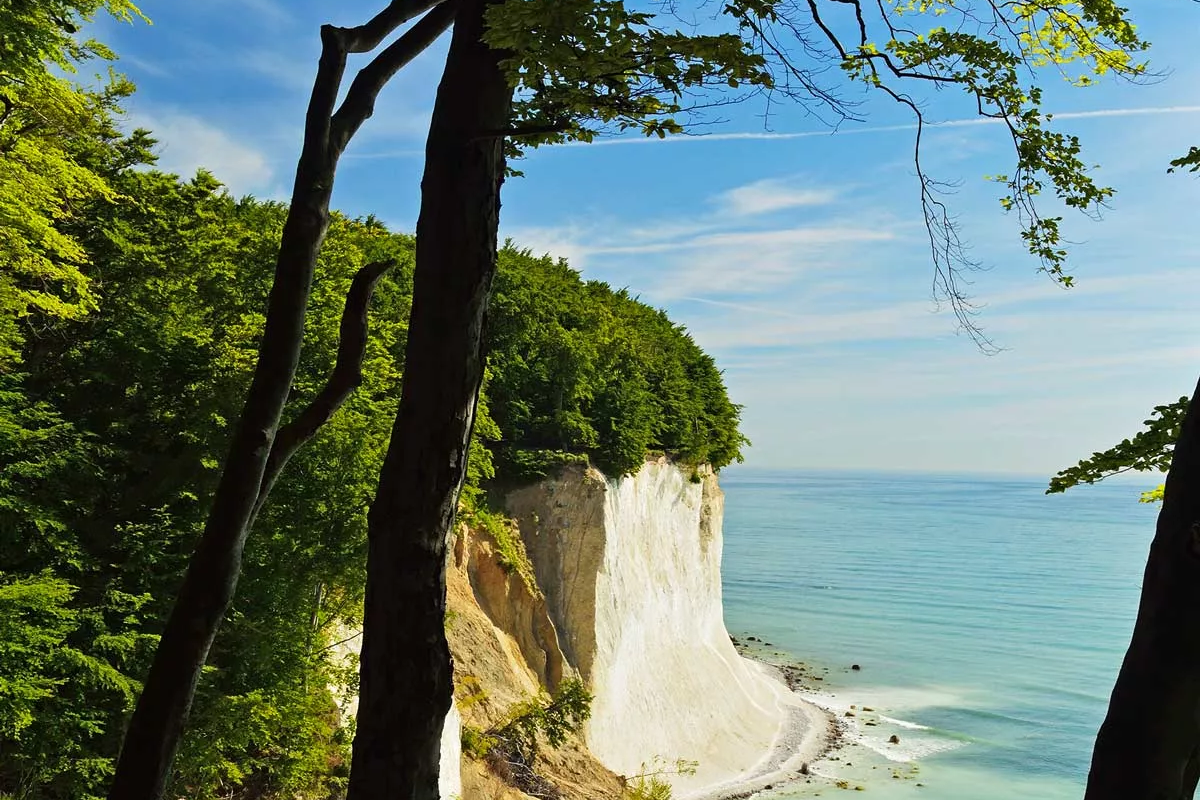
[(406, 671), (254, 459), (154, 731), (1149, 745)]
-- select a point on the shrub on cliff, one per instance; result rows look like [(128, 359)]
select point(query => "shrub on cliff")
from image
[(511, 747)]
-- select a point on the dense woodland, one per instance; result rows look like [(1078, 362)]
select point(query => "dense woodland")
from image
[(134, 320), (129, 334)]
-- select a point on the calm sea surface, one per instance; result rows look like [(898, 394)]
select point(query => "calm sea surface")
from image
[(988, 618)]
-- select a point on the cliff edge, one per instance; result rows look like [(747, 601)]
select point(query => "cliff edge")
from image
[(631, 572)]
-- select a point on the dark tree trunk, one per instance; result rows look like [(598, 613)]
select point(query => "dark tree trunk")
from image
[(406, 684), (1149, 745), (154, 731), (256, 454)]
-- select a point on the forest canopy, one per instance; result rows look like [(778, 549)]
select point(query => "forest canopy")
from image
[(116, 402)]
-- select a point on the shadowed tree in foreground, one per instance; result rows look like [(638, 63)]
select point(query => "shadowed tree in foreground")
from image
[(1149, 745), (259, 449)]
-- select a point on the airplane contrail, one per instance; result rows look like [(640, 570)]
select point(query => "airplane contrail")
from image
[(953, 123)]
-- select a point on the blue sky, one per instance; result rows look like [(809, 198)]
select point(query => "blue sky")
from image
[(795, 256)]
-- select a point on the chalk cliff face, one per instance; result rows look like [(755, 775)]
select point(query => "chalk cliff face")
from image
[(627, 597), (506, 650), (631, 573)]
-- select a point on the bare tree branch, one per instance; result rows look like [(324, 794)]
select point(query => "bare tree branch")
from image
[(343, 380), (366, 37), (359, 104)]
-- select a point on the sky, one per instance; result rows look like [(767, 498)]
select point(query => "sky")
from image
[(794, 254)]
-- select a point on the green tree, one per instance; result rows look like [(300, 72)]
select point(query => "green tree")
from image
[(53, 134), (260, 446), (580, 369), (57, 677), (120, 421)]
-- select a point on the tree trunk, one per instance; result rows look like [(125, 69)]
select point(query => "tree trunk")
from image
[(254, 460), (1149, 745), (154, 731), (406, 671)]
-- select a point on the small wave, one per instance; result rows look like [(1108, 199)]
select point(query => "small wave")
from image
[(870, 729), (903, 723), (909, 750)]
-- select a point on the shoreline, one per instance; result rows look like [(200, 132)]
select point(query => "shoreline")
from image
[(808, 734)]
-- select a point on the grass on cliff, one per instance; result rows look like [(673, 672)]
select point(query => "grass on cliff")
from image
[(510, 548)]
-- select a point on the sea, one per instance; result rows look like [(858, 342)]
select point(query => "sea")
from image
[(988, 620)]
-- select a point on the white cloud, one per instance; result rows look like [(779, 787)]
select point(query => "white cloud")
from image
[(765, 196), (187, 143), (721, 253), (556, 242)]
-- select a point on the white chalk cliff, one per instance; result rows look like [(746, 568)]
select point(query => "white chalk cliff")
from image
[(631, 570), (627, 597)]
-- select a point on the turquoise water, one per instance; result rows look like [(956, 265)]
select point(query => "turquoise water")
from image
[(988, 618)]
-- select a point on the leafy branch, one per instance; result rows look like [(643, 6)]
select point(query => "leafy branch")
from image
[(1149, 451)]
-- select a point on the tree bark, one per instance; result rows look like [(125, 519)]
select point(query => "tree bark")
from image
[(406, 670), (154, 731), (1149, 745)]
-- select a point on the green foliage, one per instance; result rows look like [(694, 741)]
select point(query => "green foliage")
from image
[(579, 65), (510, 547), (56, 140), (650, 787), (41, 32), (987, 50), (544, 717), (108, 447), (1190, 161), (267, 742), (578, 368), (650, 784), (535, 464), (60, 668), (468, 691), (477, 744), (1150, 450)]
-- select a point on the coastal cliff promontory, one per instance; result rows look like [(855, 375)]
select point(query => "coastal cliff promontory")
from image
[(626, 595)]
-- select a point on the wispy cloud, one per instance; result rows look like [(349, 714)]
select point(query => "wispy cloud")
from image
[(765, 196), (283, 68), (187, 143)]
